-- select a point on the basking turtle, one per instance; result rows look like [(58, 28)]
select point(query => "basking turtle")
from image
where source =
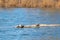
[(37, 25), (22, 26), (18, 26)]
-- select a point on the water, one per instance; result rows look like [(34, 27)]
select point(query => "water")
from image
[(44, 33), (9, 18)]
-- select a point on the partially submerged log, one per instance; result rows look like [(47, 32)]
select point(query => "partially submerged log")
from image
[(36, 25), (28, 26)]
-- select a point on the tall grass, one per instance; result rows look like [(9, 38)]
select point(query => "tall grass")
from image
[(30, 3)]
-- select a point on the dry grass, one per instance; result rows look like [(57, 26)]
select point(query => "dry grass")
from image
[(30, 3)]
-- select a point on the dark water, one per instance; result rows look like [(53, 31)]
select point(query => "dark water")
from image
[(9, 18)]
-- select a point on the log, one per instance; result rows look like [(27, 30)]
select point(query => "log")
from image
[(37, 25)]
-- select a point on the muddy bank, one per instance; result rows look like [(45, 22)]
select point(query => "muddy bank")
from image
[(30, 3)]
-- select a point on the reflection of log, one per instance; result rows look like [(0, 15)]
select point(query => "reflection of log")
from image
[(30, 3), (37, 25)]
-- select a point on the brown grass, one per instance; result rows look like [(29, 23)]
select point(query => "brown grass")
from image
[(30, 3)]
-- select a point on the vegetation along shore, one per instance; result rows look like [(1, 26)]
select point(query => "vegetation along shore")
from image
[(30, 3)]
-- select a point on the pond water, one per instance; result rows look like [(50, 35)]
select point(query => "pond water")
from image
[(43, 33), (9, 18), (15, 16)]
